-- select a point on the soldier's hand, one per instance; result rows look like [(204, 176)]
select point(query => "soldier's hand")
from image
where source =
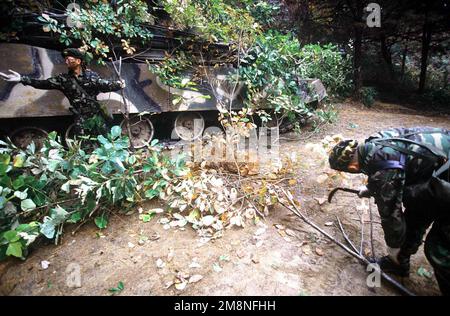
[(13, 77), (122, 83), (364, 192)]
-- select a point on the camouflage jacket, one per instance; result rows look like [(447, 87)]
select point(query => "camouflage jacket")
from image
[(387, 185), (81, 91)]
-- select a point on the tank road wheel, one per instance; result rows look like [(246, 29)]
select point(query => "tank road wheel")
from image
[(141, 129), (189, 125), (22, 137)]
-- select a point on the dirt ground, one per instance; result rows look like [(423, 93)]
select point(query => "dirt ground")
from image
[(261, 259)]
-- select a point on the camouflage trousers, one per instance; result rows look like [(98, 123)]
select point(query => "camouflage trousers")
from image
[(437, 250), (419, 215)]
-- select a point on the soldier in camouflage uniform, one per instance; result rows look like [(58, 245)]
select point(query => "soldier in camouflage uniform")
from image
[(81, 87), (392, 173)]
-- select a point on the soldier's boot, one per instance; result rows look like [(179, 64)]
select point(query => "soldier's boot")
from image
[(390, 266)]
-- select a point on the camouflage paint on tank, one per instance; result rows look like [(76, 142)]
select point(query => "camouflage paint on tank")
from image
[(144, 91)]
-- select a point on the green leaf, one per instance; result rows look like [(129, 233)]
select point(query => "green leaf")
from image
[(48, 228), (5, 159), (116, 131), (66, 187), (53, 165), (107, 168), (58, 215), (14, 249), (4, 169), (18, 183), (101, 221), (119, 164), (147, 217), (154, 142), (118, 289), (11, 236), (150, 194), (424, 273), (74, 218), (102, 140), (132, 159), (27, 205)]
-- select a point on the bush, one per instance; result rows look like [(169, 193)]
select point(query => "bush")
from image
[(368, 95), (327, 64), (42, 190), (274, 70)]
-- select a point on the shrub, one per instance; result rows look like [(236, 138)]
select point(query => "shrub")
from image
[(368, 95)]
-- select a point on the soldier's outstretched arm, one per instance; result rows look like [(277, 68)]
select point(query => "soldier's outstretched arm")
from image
[(45, 84)]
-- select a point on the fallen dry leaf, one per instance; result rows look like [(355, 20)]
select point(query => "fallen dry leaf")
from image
[(180, 286), (240, 253), (320, 200), (45, 264), (322, 178), (195, 278), (260, 231), (307, 250), (170, 255), (194, 265), (217, 267), (160, 263), (319, 252), (154, 236), (291, 233)]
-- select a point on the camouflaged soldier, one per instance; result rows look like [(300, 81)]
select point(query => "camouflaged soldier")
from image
[(81, 87), (394, 165)]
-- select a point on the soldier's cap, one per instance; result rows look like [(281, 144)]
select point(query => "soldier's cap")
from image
[(342, 154), (73, 52)]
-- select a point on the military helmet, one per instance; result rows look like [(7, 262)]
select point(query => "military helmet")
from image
[(342, 154), (73, 52)]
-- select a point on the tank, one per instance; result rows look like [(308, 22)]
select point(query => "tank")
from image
[(27, 114)]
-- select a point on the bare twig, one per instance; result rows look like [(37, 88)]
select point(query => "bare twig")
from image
[(371, 231), (362, 231), (346, 236), (361, 258)]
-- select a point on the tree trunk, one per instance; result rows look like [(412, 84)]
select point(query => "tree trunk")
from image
[(426, 39), (405, 52), (304, 21), (357, 50), (445, 76), (386, 54)]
